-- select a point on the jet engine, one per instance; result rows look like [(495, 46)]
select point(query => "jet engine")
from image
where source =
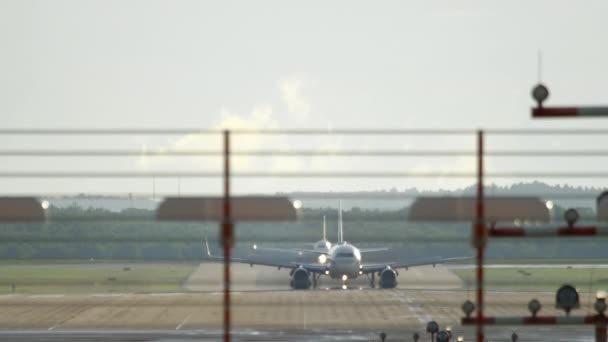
[(300, 279), (388, 278)]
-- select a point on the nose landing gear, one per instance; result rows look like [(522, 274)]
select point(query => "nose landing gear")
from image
[(344, 280)]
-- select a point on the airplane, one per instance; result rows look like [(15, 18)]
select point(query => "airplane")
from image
[(342, 261), (322, 246)]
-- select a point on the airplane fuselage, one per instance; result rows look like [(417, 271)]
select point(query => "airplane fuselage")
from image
[(344, 261), (322, 246)]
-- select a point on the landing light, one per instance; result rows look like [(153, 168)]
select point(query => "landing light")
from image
[(549, 205), (255, 246), (297, 204), (322, 259), (327, 272), (344, 277), (45, 205), (360, 272)]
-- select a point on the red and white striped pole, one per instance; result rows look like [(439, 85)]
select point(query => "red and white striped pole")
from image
[(569, 112), (547, 231), (540, 93), (597, 320)]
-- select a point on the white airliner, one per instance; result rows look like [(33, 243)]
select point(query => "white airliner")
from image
[(322, 246), (342, 261)]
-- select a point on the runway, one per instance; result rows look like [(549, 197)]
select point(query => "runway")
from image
[(265, 309), (208, 277), (529, 335)]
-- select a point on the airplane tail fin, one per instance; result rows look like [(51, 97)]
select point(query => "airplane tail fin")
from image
[(324, 230), (340, 227)]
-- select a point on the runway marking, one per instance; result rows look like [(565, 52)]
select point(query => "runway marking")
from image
[(51, 328), (47, 296), (183, 322), (222, 293), (418, 312), (403, 316)]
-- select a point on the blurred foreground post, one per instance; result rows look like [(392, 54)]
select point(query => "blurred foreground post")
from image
[(227, 235), (480, 236)]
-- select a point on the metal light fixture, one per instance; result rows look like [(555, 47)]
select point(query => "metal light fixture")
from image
[(432, 327), (468, 307), (540, 93), (534, 307), (443, 336), (416, 337), (571, 216), (567, 298), (600, 302)]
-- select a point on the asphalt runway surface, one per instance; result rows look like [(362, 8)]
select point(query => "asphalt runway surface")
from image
[(265, 309)]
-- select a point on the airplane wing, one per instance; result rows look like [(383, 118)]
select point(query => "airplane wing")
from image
[(314, 251), (315, 268), (370, 250), (289, 250), (371, 268)]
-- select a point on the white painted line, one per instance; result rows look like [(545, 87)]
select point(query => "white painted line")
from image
[(109, 294), (47, 296), (405, 316), (222, 293), (51, 328), (165, 294), (183, 322)]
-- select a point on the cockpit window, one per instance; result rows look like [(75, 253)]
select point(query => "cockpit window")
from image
[(345, 255)]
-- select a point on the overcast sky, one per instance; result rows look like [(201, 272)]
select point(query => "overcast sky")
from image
[(287, 64)]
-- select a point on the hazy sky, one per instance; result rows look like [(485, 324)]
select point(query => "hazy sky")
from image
[(287, 64)]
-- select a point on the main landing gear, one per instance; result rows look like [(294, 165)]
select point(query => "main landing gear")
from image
[(315, 280), (372, 279)]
